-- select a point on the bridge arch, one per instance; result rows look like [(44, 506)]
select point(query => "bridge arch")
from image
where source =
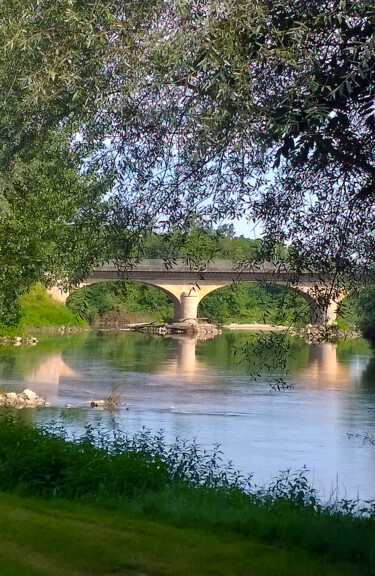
[(254, 299)]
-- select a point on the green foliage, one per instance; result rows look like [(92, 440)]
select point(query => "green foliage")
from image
[(50, 222), (72, 469), (198, 244), (259, 303), (209, 110), (349, 312), (39, 309), (366, 312), (127, 299), (200, 102)]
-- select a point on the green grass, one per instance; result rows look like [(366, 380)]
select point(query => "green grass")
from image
[(68, 538), (134, 506), (11, 331), (39, 310)]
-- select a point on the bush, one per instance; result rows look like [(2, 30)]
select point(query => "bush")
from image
[(44, 462)]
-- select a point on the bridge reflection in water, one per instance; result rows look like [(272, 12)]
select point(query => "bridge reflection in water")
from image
[(323, 369), (185, 363), (45, 379)]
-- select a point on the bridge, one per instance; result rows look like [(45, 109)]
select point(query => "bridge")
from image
[(186, 285)]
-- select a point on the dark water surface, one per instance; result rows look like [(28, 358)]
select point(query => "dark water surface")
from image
[(197, 389)]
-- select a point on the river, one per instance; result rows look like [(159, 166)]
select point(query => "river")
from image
[(202, 389)]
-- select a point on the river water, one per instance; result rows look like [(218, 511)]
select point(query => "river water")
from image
[(210, 391)]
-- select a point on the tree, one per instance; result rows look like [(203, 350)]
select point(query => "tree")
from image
[(216, 107), (52, 222), (278, 119)]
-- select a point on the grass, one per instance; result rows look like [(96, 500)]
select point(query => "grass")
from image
[(69, 538), (134, 505), (39, 310)]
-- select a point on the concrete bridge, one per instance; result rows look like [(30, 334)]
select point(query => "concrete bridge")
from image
[(187, 286)]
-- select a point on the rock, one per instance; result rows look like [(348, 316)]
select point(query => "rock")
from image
[(10, 396), (315, 334), (96, 403), (112, 401), (28, 394), (25, 398)]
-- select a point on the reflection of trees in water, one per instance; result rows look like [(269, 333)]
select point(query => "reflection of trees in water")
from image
[(8, 363), (317, 365), (220, 353), (347, 348), (23, 360), (141, 352), (54, 358), (368, 376)]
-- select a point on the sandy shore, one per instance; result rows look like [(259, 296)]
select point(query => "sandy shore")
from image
[(268, 327)]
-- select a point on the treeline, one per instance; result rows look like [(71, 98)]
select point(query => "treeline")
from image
[(200, 244)]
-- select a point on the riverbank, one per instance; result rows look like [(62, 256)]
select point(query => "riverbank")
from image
[(256, 327), (134, 506), (42, 314)]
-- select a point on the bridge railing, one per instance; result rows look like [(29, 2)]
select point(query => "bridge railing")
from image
[(180, 265)]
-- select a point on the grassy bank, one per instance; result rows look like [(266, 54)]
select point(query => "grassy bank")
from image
[(136, 506), (69, 539), (39, 310)]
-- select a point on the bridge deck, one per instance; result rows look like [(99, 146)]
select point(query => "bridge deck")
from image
[(223, 270)]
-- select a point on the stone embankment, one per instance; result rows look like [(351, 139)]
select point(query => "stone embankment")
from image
[(63, 329), (25, 399)]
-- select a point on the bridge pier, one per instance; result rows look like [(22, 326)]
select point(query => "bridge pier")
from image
[(323, 314), (187, 308)]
